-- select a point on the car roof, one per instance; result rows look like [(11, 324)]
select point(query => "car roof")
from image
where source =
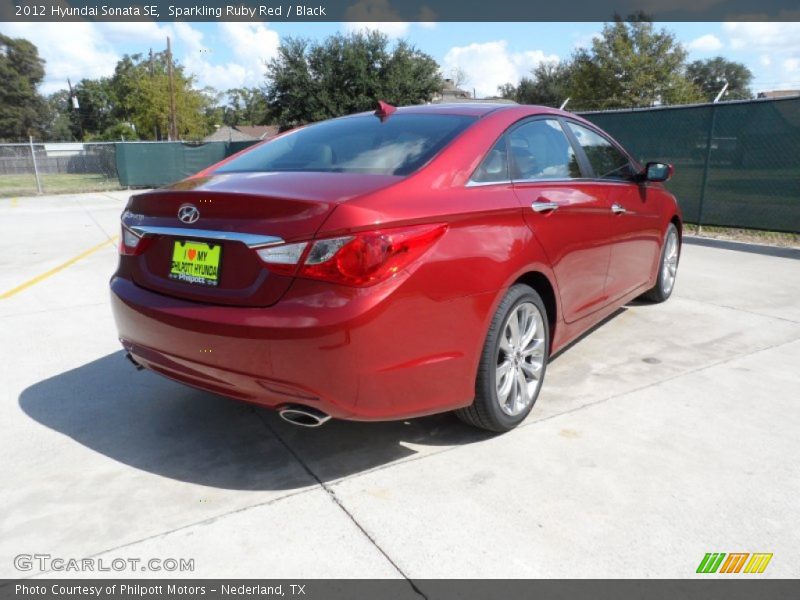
[(477, 109)]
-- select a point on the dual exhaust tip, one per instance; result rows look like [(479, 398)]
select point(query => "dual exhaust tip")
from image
[(303, 416)]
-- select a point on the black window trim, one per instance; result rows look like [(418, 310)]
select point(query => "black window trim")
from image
[(545, 117), (472, 183), (634, 164), (587, 172), (583, 163)]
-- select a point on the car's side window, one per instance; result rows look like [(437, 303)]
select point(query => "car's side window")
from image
[(607, 161), (494, 167), (540, 150)]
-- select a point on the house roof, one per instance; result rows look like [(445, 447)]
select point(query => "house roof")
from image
[(450, 93), (260, 132), (779, 94), (227, 134)]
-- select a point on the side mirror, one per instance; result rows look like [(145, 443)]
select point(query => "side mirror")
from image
[(655, 171)]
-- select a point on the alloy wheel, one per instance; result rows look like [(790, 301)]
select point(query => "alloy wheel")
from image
[(520, 358), (669, 267)]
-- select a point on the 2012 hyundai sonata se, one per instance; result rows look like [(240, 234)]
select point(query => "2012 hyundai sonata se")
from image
[(394, 264)]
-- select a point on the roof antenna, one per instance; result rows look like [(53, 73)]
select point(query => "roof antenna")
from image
[(384, 110)]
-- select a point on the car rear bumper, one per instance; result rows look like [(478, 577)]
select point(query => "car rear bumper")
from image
[(378, 353)]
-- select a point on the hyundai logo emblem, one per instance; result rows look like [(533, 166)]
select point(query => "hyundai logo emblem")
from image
[(188, 214)]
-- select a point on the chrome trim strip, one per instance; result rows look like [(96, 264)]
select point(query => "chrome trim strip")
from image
[(471, 183), (553, 180), (251, 240)]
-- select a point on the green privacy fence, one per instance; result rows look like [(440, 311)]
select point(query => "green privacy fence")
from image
[(152, 164), (737, 164)]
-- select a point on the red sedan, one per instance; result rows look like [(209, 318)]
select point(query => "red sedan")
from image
[(394, 264)]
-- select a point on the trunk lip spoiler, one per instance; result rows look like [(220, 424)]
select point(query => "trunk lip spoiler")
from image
[(251, 240)]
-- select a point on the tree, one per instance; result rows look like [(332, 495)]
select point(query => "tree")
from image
[(23, 111), (246, 106), (310, 81), (712, 74), (631, 65), (119, 131), (134, 103), (96, 110), (458, 76), (548, 85), (59, 127), (140, 88)]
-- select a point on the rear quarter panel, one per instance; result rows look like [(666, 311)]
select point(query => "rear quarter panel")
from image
[(441, 313)]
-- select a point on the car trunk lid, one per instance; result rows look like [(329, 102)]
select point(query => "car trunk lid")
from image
[(235, 214)]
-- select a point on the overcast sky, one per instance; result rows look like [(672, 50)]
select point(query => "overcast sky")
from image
[(226, 55)]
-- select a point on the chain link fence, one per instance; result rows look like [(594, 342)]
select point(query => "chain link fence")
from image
[(44, 168), (737, 164), (59, 168)]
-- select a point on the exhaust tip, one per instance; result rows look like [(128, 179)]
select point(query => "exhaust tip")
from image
[(303, 416)]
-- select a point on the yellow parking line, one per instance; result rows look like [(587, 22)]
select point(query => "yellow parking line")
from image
[(55, 270)]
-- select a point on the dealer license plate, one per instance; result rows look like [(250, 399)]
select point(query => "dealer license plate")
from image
[(195, 262)]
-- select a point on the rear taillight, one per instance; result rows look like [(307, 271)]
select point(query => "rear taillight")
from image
[(282, 259), (360, 259), (130, 243)]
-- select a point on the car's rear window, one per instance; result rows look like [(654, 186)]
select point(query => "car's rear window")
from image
[(398, 145)]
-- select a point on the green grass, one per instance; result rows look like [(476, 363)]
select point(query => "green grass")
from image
[(753, 236), (56, 183)]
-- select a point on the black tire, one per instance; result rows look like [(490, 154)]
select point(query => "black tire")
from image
[(662, 290), (485, 411)]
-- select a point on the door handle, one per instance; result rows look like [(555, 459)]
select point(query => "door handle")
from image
[(540, 206), (617, 209)]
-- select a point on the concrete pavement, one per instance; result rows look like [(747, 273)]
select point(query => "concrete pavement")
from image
[(668, 432)]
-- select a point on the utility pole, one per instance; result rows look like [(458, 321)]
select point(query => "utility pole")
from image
[(156, 132), (73, 100), (707, 163), (173, 121), (721, 93), (35, 166)]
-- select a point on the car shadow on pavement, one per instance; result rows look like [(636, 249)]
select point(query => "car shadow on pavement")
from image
[(150, 423)]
